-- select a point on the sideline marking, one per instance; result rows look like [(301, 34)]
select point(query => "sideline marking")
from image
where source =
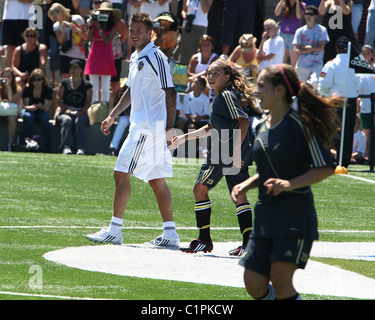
[(357, 178), (128, 228), (44, 295)]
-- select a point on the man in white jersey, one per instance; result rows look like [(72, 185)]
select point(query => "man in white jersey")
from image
[(145, 153)]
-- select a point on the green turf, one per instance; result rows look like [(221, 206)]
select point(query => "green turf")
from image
[(58, 191)]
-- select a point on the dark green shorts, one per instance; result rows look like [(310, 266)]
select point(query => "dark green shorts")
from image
[(261, 252), (210, 175), (366, 120)]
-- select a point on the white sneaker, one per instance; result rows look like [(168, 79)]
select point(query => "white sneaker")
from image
[(166, 242), (81, 152), (104, 236), (67, 150)]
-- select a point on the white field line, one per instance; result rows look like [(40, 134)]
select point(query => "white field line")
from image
[(44, 296), (357, 178), (157, 228)]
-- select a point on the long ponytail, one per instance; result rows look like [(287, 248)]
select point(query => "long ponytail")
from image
[(318, 114)]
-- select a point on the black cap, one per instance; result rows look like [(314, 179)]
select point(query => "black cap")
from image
[(77, 63), (342, 43)]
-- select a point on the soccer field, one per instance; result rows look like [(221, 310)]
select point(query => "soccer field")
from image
[(49, 202)]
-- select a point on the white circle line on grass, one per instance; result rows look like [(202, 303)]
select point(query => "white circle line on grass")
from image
[(144, 261), (157, 228)]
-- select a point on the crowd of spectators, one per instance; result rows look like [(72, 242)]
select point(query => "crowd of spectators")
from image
[(191, 33)]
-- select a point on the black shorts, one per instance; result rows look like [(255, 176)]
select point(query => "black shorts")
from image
[(261, 252), (12, 32), (210, 175), (118, 66)]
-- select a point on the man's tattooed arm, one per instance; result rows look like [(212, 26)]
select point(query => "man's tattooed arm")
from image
[(170, 101)]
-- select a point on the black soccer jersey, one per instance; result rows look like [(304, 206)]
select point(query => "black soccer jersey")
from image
[(224, 114), (285, 152)]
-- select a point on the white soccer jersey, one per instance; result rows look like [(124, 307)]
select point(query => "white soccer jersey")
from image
[(149, 73), (145, 154)]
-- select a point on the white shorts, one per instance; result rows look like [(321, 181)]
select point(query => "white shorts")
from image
[(309, 75), (146, 156)]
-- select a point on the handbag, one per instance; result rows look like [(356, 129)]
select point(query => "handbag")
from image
[(117, 47), (98, 112), (8, 108), (67, 45), (180, 77)]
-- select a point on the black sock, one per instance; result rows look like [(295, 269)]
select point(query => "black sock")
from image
[(245, 220), (295, 297), (203, 215)]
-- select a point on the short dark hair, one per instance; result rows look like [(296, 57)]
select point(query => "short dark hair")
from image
[(202, 81), (342, 43), (313, 8), (142, 18)]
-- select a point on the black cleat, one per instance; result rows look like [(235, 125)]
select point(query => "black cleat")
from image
[(238, 252), (198, 245)]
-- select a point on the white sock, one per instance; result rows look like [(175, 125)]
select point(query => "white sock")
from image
[(115, 225), (169, 229)]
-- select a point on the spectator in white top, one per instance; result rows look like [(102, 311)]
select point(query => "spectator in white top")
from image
[(359, 143), (271, 49), (197, 105), (68, 26), (367, 86), (199, 62), (155, 7), (194, 14), (309, 42), (370, 24), (333, 81)]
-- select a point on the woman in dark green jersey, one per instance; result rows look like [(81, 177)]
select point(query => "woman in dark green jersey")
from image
[(291, 153), (229, 155)]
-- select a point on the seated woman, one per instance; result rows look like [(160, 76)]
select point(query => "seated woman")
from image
[(199, 62), (10, 92), (244, 55), (29, 56), (73, 98), (37, 98)]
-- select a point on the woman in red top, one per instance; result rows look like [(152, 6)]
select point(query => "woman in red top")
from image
[(100, 61)]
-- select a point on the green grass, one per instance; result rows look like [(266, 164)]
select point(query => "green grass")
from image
[(53, 190)]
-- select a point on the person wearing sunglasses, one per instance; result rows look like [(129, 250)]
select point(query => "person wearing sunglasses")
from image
[(309, 42), (29, 56), (290, 13), (37, 99), (10, 93)]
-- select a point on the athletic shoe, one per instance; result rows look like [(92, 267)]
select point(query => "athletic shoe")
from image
[(198, 245), (166, 242), (238, 252), (104, 236), (67, 150), (81, 152)]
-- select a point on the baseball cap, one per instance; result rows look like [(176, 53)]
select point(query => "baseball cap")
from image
[(77, 63), (342, 43)]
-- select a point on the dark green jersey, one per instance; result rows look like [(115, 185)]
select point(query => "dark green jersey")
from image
[(224, 114), (285, 152)]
